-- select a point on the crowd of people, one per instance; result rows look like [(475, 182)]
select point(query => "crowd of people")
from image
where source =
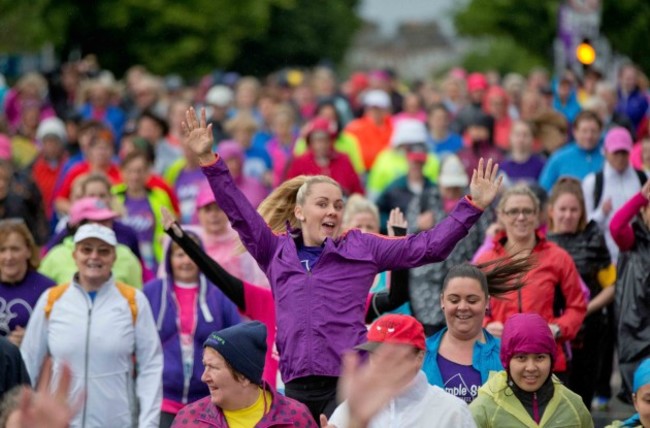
[(227, 252)]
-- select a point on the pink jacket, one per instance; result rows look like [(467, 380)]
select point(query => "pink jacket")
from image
[(284, 413)]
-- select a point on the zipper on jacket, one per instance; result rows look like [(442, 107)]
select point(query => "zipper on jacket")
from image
[(90, 311), (519, 304), (535, 408)]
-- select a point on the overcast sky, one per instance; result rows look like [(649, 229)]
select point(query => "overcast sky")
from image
[(389, 13)]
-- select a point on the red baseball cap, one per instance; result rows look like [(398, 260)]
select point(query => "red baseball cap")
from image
[(396, 329)]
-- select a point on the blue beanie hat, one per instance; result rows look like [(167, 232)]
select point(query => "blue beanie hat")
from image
[(641, 375), (243, 346)]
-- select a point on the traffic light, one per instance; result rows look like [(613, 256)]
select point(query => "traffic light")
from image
[(585, 53)]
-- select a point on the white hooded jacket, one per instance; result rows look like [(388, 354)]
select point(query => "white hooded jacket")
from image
[(115, 360)]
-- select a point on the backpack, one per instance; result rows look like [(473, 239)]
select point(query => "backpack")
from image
[(600, 178), (126, 291)]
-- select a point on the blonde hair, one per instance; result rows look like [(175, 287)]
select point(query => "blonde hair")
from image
[(278, 208), (518, 190), (356, 204)]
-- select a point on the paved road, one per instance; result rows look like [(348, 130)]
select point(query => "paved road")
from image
[(617, 409)]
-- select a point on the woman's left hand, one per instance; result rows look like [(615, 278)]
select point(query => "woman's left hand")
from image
[(485, 183)]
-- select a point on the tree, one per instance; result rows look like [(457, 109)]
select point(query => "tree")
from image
[(190, 38), (532, 25), (303, 35)]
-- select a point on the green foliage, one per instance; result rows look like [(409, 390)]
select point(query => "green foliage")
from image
[(627, 26), (528, 23), (189, 38), (310, 31), (504, 55)]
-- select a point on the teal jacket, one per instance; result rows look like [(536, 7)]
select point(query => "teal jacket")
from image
[(485, 359)]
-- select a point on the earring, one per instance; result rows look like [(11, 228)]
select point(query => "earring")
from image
[(442, 307)]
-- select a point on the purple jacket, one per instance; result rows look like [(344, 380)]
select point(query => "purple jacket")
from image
[(320, 314), (18, 300), (213, 312), (284, 413)]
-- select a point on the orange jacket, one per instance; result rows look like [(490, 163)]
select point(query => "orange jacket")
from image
[(553, 268), (372, 138)]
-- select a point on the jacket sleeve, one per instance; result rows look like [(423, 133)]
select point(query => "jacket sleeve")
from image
[(620, 226), (13, 367), (576, 305), (229, 285), (549, 174), (256, 235), (34, 346), (149, 365), (429, 246), (478, 410)]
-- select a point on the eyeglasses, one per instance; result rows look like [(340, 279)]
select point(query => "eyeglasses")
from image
[(515, 212)]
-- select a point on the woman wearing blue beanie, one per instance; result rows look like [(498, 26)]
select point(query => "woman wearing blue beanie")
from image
[(234, 363), (640, 397)]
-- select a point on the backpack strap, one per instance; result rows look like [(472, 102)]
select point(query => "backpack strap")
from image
[(598, 188), (53, 295), (128, 293), (642, 177)]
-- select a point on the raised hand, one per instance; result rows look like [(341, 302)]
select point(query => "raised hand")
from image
[(485, 183), (391, 370), (45, 409), (396, 219), (198, 135), (169, 221)]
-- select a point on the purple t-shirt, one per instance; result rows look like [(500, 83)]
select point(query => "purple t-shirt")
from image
[(141, 218), (528, 171), (459, 380), (17, 301), (187, 189), (309, 256)]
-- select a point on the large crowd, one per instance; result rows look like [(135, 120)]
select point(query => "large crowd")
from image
[(305, 250)]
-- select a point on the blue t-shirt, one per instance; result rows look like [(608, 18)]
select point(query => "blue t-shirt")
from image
[(459, 380), (309, 256), (92, 295), (451, 144)]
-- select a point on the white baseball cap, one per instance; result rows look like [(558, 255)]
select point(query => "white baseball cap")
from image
[(408, 131), (94, 230), (452, 173), (376, 98), (219, 95)]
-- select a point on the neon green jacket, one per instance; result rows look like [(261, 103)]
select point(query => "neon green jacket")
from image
[(391, 164), (496, 406), (174, 170), (157, 199), (59, 265), (345, 143)]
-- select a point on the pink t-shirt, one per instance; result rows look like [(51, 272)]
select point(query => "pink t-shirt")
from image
[(186, 295)]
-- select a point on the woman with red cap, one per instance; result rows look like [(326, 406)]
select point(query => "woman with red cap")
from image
[(526, 394), (322, 159)]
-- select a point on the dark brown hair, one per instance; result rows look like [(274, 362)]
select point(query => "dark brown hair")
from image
[(505, 274)]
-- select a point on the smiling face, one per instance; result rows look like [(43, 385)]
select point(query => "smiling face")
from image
[(530, 371), (566, 213), (464, 303), (14, 257), (94, 259), (321, 213), (618, 160), (642, 404), (519, 217), (183, 268), (224, 387)]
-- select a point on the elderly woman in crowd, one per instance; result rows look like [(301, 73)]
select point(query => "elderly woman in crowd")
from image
[(105, 331), (554, 276)]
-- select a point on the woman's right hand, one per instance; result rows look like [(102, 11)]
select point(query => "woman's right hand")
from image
[(198, 136), (169, 221)]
